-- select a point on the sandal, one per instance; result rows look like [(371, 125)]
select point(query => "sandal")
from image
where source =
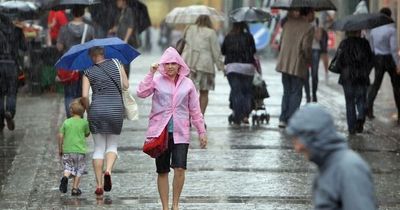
[(107, 182), (76, 192), (99, 191)]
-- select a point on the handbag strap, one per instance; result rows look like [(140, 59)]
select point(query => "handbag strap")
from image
[(115, 83), (85, 28)]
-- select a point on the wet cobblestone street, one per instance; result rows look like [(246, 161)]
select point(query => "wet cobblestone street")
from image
[(243, 168)]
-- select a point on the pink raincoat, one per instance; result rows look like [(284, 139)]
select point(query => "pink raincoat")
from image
[(179, 100)]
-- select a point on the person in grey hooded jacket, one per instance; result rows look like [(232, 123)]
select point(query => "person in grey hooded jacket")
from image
[(344, 179)]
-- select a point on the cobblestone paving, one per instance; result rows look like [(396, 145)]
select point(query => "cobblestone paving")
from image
[(243, 168)]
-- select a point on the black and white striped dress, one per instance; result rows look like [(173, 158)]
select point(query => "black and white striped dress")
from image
[(105, 113)]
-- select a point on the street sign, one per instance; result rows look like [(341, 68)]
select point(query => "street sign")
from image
[(261, 34)]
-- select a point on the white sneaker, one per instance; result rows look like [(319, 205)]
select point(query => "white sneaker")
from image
[(282, 124)]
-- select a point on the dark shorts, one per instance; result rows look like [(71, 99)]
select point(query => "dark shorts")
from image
[(178, 152)]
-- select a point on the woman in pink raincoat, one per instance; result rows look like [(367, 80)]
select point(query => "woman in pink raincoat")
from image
[(175, 102)]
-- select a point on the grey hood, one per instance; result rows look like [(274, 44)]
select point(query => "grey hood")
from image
[(315, 128), (76, 30)]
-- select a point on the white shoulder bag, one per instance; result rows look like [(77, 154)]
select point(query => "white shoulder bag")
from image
[(130, 105)]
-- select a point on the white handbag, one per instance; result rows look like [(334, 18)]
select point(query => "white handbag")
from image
[(130, 105)]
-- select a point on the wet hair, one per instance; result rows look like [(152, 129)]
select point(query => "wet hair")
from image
[(304, 11), (78, 11), (386, 11), (239, 28), (95, 51), (76, 107), (204, 21)]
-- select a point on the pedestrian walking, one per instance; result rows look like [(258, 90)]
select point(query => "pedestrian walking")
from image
[(72, 147), (174, 103), (354, 59), (75, 32), (201, 52), (55, 21), (293, 60), (344, 180), (384, 44), (313, 72), (124, 27), (11, 42), (105, 113), (239, 49)]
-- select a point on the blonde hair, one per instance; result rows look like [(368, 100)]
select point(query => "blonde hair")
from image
[(76, 107), (204, 21)]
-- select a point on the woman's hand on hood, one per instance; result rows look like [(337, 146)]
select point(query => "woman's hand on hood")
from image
[(154, 67)]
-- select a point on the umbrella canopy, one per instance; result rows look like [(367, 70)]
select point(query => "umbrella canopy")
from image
[(317, 5), (189, 15), (68, 4), (20, 9), (360, 22), (249, 14), (77, 58), (141, 15)]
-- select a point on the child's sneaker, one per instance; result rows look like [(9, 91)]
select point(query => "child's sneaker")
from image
[(64, 185), (76, 192)]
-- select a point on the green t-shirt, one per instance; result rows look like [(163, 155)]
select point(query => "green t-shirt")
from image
[(75, 131)]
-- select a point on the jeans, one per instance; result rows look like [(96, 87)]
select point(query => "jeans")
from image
[(356, 97), (292, 94), (384, 63), (71, 92), (316, 54), (241, 95), (8, 89)]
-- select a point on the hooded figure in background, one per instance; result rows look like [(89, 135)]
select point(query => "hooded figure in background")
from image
[(344, 179), (174, 103)]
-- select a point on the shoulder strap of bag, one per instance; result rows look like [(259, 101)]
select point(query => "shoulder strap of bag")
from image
[(85, 28), (115, 83)]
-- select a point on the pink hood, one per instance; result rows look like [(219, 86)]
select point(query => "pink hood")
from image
[(172, 56)]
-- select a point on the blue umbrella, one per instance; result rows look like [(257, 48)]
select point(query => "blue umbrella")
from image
[(77, 58)]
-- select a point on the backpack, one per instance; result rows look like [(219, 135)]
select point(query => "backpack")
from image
[(5, 44)]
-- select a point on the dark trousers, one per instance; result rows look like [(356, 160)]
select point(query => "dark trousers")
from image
[(384, 63), (241, 95), (71, 91), (355, 96), (316, 54), (8, 89), (292, 94)]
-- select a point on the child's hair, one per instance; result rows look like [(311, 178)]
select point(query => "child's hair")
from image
[(76, 107)]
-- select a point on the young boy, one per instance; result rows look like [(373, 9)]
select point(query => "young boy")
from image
[(72, 146)]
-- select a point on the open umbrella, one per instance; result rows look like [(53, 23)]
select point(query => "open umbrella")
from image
[(68, 4), (317, 5), (20, 9), (189, 15), (249, 14), (360, 22), (77, 58)]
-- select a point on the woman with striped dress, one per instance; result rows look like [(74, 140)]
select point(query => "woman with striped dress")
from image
[(105, 113)]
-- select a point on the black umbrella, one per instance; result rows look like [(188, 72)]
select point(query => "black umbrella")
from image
[(249, 14), (68, 4), (20, 9), (360, 22), (317, 5), (141, 15)]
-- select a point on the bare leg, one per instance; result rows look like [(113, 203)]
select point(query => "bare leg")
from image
[(110, 160), (203, 100), (163, 189), (67, 174), (179, 180), (76, 181), (98, 171)]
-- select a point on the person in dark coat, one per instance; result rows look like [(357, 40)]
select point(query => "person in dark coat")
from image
[(344, 179), (354, 59), (239, 49), (11, 42)]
